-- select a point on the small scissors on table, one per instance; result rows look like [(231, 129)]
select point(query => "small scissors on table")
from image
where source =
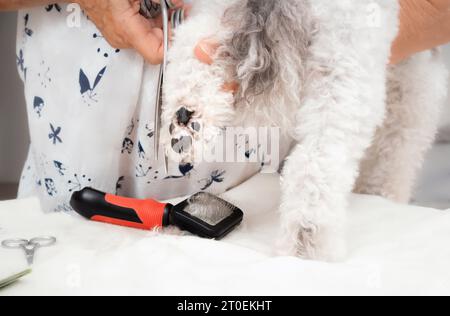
[(29, 246)]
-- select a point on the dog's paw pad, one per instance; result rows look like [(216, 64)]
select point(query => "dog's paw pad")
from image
[(196, 126), (184, 116), (182, 145)]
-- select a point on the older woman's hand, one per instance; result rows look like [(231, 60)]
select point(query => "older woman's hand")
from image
[(424, 24), (123, 27)]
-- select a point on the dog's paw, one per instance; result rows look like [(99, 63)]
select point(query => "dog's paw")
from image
[(329, 244), (184, 130), (313, 243), (190, 135)]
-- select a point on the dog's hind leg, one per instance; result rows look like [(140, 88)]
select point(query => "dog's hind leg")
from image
[(416, 91), (320, 173), (343, 106)]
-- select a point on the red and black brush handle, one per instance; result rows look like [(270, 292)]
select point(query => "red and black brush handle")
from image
[(107, 208)]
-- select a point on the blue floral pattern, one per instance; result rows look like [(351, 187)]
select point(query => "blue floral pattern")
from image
[(91, 121)]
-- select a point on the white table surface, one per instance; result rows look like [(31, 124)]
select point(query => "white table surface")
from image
[(393, 249)]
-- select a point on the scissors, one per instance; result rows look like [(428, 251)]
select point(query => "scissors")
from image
[(29, 246), (150, 9)]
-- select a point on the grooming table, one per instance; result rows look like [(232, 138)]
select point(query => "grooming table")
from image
[(393, 249)]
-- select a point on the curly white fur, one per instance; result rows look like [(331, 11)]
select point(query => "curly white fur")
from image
[(194, 85), (326, 61), (414, 106)]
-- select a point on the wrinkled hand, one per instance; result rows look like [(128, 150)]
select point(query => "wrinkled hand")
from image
[(122, 26), (424, 24)]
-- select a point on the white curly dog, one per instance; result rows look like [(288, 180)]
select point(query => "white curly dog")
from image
[(319, 70)]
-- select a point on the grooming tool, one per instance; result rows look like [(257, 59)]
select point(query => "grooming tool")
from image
[(13, 279), (158, 106), (29, 246), (177, 18), (203, 214), (149, 10)]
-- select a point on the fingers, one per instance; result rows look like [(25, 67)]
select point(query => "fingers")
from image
[(146, 39), (146, 35), (205, 51)]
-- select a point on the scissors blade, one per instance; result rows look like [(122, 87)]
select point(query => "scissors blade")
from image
[(166, 164), (165, 17), (158, 107), (157, 128)]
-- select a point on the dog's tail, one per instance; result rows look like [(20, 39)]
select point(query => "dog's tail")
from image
[(267, 44)]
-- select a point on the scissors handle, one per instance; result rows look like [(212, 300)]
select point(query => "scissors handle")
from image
[(29, 246), (150, 9), (45, 241), (14, 243), (26, 245)]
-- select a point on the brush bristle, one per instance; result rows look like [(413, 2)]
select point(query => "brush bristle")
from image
[(209, 208)]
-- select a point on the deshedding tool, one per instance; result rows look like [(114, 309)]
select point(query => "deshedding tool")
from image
[(203, 214)]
